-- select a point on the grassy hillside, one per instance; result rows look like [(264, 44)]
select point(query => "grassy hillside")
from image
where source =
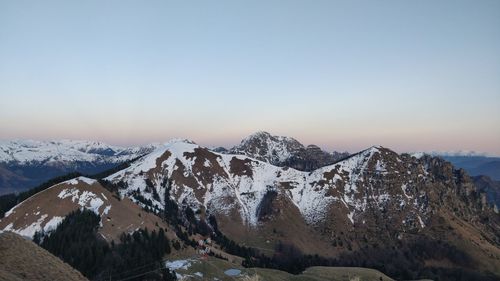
[(21, 259), (210, 268)]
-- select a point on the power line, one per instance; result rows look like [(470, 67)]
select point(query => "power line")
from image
[(138, 275), (114, 276)]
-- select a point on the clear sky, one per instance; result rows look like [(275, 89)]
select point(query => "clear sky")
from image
[(408, 75)]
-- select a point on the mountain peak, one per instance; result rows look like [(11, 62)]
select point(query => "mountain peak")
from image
[(268, 148), (263, 135), (178, 140), (285, 151), (259, 134), (375, 148)]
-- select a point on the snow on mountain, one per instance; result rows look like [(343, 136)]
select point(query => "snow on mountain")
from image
[(25, 164), (226, 183), (265, 147), (46, 209), (284, 151), (29, 151)]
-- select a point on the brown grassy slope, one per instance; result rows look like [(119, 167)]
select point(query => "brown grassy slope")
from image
[(21, 259), (123, 216), (474, 242), (285, 224)]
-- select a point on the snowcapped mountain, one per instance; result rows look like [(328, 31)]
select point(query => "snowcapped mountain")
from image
[(285, 151), (265, 147), (56, 152), (205, 179), (27, 163), (376, 194)]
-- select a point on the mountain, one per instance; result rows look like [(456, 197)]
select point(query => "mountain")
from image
[(25, 164), (477, 165), (284, 151), (43, 211), (369, 208)]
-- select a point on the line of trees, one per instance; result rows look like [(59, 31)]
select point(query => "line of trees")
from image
[(77, 242), (8, 201)]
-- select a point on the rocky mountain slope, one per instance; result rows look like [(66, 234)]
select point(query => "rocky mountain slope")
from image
[(25, 164), (285, 151)]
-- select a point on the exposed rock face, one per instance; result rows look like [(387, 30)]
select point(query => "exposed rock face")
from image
[(284, 151), (265, 147), (312, 158)]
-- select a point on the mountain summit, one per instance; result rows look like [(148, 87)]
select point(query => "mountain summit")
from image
[(285, 151)]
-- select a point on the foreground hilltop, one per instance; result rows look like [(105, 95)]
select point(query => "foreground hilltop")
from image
[(21, 259)]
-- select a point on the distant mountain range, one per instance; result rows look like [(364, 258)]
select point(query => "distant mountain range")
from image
[(25, 164), (477, 165)]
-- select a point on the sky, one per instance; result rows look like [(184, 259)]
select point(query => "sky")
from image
[(409, 75)]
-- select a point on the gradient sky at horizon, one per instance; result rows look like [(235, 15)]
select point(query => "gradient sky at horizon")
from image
[(408, 75)]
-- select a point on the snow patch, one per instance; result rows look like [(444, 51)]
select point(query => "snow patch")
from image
[(422, 224), (27, 152), (178, 264), (106, 210), (86, 199), (86, 180), (29, 231), (52, 223)]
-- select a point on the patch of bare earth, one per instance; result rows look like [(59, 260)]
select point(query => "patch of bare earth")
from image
[(241, 167)]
